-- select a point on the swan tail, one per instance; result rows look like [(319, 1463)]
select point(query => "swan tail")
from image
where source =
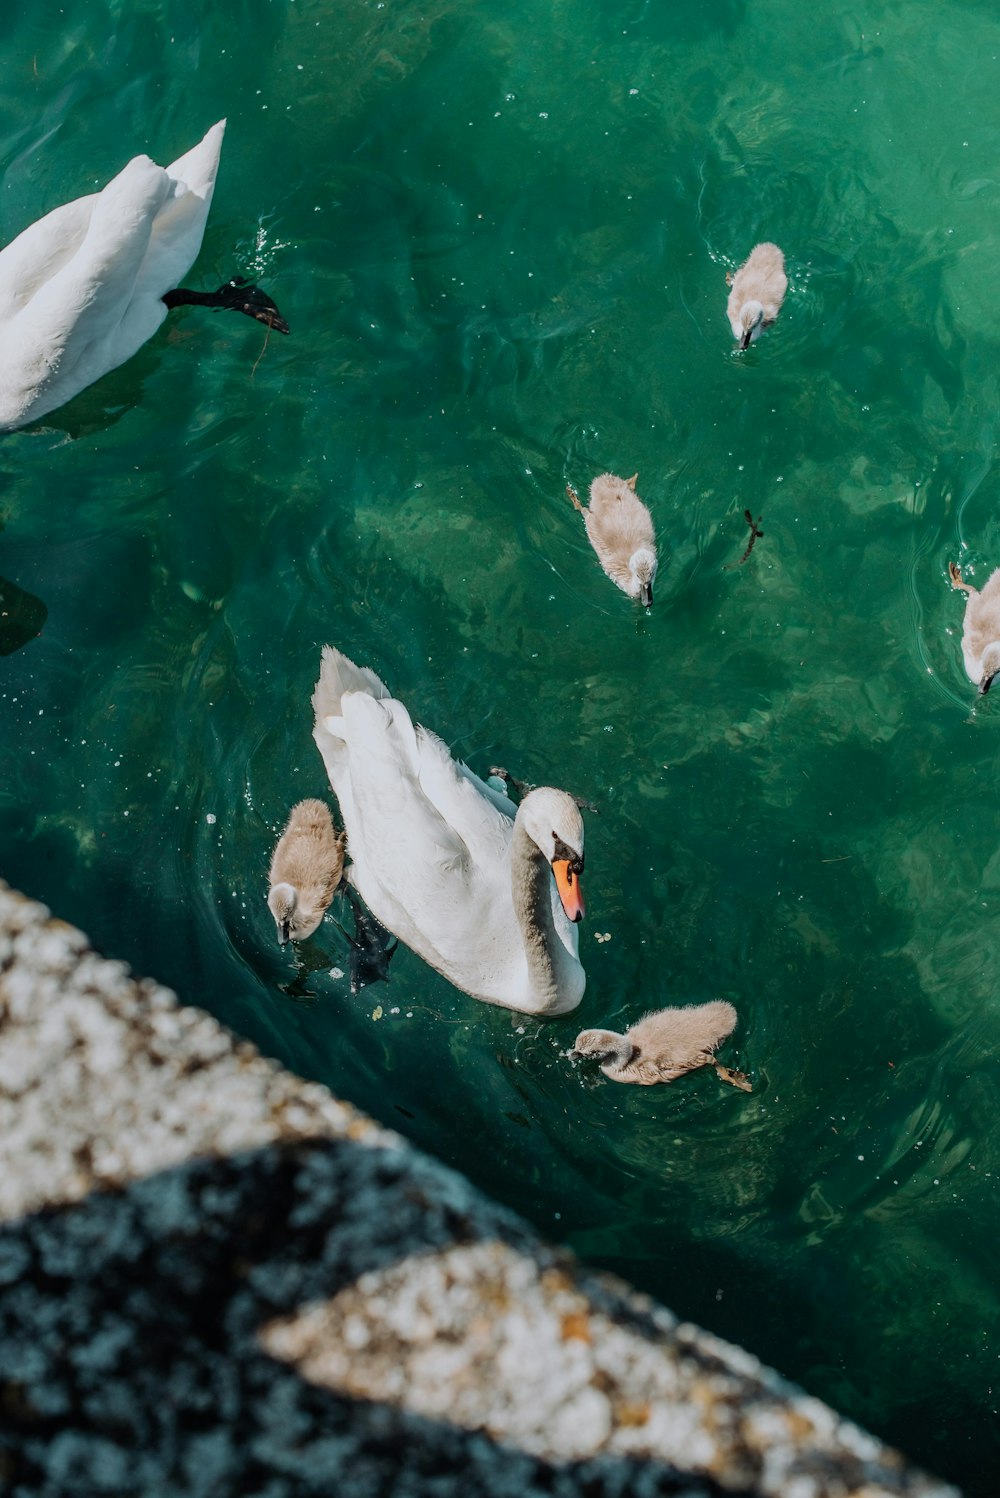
[(196, 169), (179, 225), (337, 676)]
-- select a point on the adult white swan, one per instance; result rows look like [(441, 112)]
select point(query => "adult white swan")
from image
[(83, 288), (489, 899)]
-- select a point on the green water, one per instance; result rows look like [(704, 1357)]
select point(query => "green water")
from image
[(500, 234)]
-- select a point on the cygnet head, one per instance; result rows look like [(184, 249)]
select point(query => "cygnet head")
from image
[(751, 320), (604, 1045), (991, 665), (294, 921), (642, 564), (552, 820)]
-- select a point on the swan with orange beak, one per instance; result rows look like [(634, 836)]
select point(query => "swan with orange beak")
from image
[(487, 894)]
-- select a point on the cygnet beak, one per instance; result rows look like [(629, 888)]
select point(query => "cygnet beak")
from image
[(568, 885), (745, 340), (574, 1055), (985, 684), (283, 933), (646, 595)]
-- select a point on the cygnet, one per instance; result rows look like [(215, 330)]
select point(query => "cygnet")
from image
[(305, 870), (664, 1045), (758, 290), (981, 629), (620, 529)]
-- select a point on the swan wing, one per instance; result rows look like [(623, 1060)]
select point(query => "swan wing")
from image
[(411, 864), (40, 251), (339, 675), (480, 816), (429, 842)]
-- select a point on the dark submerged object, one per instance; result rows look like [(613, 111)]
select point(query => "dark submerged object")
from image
[(371, 946), (21, 616)]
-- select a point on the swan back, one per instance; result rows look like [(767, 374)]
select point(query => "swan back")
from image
[(429, 841)]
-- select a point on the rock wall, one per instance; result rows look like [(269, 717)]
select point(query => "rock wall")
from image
[(216, 1279)]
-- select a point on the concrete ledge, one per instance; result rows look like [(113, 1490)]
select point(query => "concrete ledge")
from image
[(217, 1279)]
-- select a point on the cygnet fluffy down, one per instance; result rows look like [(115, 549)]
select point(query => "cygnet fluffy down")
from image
[(620, 529), (758, 290), (981, 628), (306, 868), (664, 1045)]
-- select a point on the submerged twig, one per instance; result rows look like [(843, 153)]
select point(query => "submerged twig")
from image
[(260, 356), (754, 533)]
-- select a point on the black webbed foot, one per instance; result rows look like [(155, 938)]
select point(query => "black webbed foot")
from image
[(371, 946), (238, 295), (243, 296)]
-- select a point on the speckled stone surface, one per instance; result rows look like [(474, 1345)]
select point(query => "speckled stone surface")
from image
[(216, 1279)]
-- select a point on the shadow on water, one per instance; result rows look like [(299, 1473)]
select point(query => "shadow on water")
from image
[(22, 616)]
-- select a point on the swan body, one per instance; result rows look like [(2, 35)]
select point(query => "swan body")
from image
[(81, 290), (981, 628), (306, 868), (620, 529), (488, 898), (758, 290), (664, 1045)]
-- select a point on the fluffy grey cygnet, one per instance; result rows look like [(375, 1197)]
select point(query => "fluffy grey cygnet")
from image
[(664, 1045), (305, 870), (981, 628), (758, 290), (620, 529)]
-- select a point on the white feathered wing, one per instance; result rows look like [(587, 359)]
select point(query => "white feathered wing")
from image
[(81, 289)]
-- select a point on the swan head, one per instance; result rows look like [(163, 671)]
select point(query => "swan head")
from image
[(295, 919), (603, 1046), (991, 665), (751, 320), (642, 565), (552, 820)]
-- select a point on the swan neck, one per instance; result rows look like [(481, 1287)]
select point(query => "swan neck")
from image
[(530, 887)]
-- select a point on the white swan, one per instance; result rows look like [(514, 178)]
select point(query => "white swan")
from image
[(440, 858), (83, 288)]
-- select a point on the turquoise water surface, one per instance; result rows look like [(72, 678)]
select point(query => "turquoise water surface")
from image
[(500, 235)]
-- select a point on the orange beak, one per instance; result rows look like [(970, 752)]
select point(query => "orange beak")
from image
[(568, 885)]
